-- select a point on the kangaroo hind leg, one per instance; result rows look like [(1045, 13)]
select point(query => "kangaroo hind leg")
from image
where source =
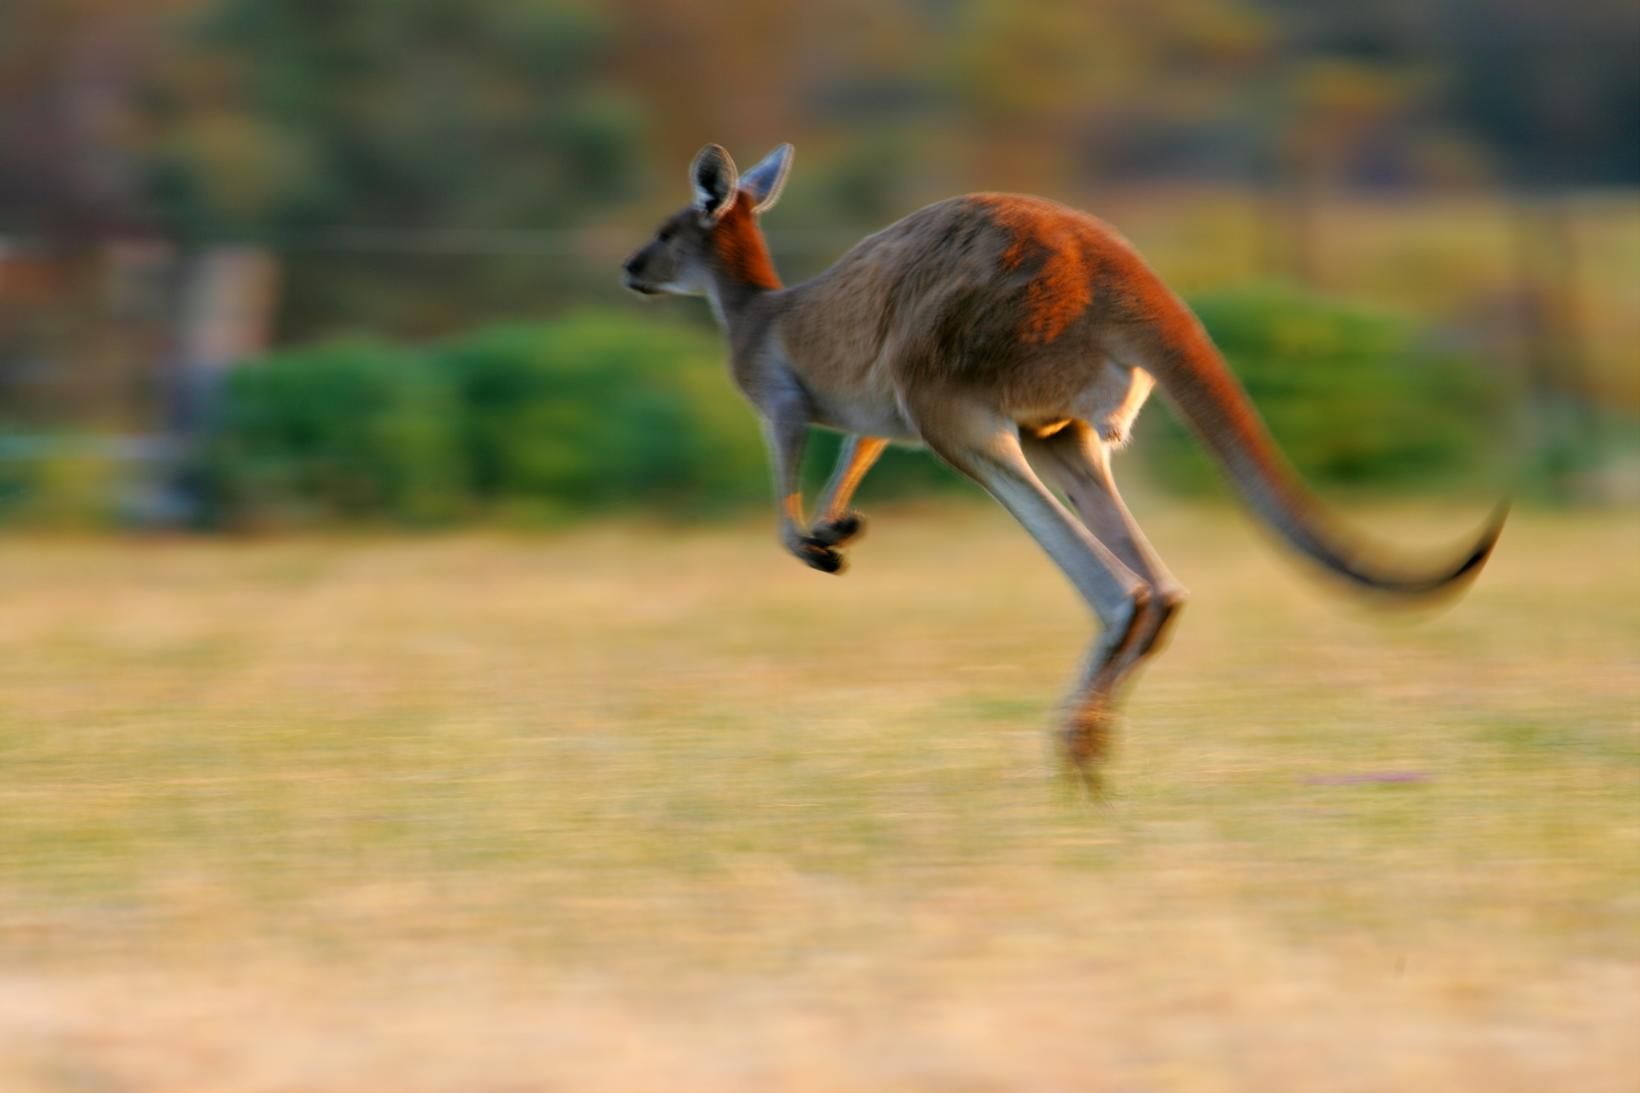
[(1077, 461), (986, 446)]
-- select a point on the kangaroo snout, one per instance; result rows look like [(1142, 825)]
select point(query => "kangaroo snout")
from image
[(630, 278)]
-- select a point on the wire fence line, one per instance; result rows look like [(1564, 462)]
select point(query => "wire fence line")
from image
[(454, 242)]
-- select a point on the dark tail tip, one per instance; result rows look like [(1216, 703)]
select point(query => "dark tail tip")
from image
[(1488, 539), (1458, 578)]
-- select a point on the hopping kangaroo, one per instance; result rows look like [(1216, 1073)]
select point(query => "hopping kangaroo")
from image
[(1016, 338)]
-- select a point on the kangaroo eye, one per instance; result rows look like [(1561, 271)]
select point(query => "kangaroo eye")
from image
[(665, 235)]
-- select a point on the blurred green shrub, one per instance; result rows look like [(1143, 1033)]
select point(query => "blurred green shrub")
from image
[(349, 429), (73, 485), (602, 411), (599, 411), (1355, 397), (532, 423)]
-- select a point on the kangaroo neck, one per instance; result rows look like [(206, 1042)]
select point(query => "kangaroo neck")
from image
[(742, 270)]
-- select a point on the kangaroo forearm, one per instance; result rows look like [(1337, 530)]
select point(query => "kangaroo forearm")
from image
[(786, 437), (857, 456)]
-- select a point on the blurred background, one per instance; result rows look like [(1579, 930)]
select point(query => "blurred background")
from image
[(275, 265), (401, 687)]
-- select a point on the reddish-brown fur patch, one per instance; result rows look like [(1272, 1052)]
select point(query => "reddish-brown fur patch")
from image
[(738, 243), (1062, 287)]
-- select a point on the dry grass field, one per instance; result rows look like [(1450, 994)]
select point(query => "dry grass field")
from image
[(637, 808)]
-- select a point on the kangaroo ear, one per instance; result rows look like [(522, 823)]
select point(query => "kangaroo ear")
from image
[(714, 178), (764, 182)]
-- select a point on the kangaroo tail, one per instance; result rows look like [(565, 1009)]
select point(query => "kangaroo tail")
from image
[(1195, 378)]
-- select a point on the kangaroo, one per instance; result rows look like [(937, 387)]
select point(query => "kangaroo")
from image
[(1017, 339)]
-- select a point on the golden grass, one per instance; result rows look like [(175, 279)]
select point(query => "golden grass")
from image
[(636, 808)]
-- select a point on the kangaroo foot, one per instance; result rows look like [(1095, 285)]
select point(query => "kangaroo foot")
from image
[(845, 529)]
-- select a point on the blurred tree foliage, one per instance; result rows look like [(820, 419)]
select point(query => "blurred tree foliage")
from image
[(282, 119), (594, 413), (301, 116), (391, 150), (995, 94), (330, 129)]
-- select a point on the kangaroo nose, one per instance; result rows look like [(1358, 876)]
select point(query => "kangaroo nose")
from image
[(630, 265)]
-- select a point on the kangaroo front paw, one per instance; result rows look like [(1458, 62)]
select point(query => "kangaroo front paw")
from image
[(844, 529)]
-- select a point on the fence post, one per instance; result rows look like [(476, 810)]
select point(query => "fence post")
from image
[(224, 314), (1567, 439)]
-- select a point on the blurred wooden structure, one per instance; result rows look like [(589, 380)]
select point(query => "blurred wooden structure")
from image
[(117, 353)]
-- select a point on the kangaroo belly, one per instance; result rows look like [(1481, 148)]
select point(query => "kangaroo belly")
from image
[(867, 417), (844, 391)]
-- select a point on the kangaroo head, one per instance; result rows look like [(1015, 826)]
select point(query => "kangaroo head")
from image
[(713, 232)]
